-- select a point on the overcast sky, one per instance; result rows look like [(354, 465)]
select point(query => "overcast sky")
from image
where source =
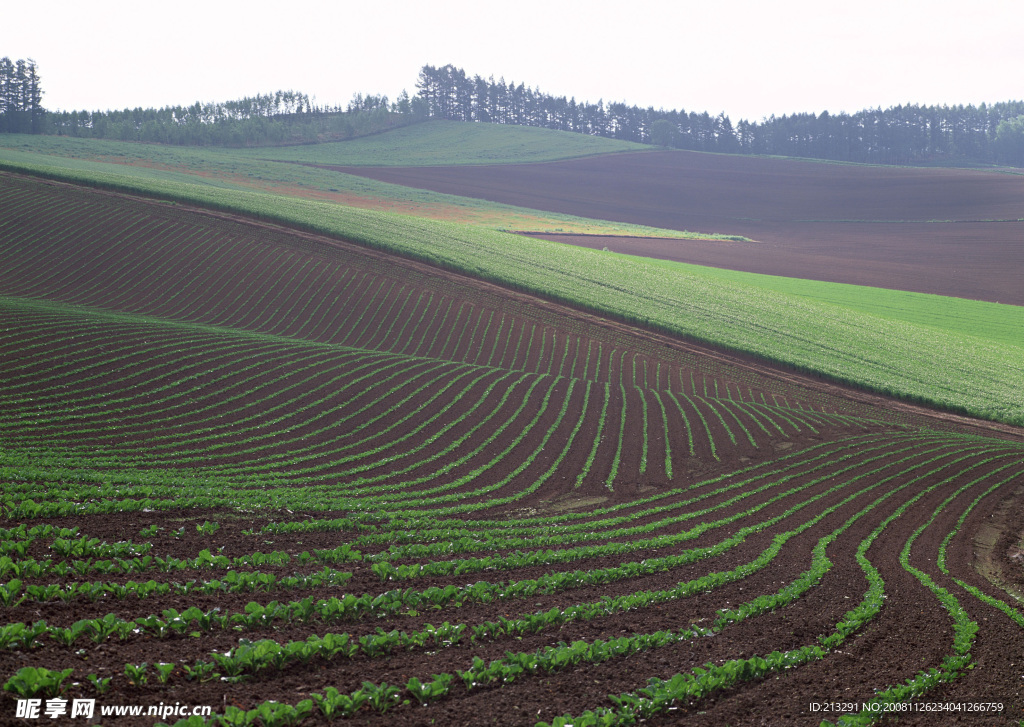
[(748, 58)]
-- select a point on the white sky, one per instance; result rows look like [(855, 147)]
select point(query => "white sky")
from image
[(748, 58)]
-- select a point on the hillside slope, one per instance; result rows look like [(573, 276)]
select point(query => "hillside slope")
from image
[(891, 357), (318, 479), (941, 231), (249, 335), (442, 143)]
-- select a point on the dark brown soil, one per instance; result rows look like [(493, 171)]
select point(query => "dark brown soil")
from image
[(79, 387), (944, 231)]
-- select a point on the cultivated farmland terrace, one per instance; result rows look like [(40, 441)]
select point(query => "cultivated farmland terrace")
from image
[(307, 481)]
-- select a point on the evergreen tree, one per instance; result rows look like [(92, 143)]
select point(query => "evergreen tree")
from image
[(1008, 144), (34, 97), (7, 94)]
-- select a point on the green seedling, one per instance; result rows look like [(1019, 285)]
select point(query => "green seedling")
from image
[(136, 673), (35, 681), (208, 528), (101, 685), (163, 671)]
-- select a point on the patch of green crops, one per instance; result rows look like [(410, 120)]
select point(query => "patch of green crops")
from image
[(994, 322)]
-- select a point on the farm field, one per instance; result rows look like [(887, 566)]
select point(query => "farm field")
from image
[(876, 353), (258, 169), (306, 481), (442, 143), (885, 227), (993, 322)]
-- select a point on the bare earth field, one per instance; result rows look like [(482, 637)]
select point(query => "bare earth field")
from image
[(543, 507), (943, 231)]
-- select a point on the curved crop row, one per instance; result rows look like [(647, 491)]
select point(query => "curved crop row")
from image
[(232, 453)]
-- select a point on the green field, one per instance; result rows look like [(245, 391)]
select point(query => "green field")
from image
[(447, 143), (898, 355), (240, 169), (992, 322)]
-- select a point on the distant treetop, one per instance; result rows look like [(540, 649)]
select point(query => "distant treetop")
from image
[(899, 135), (909, 134), (21, 97)]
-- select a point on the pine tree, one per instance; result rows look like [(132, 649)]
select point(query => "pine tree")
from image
[(34, 97), (6, 91)]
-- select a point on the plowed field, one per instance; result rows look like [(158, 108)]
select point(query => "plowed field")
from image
[(298, 481), (944, 231)]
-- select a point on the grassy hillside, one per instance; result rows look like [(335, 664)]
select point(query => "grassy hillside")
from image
[(898, 357), (445, 143), (236, 170), (993, 322)]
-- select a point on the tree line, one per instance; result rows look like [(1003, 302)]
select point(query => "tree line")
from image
[(909, 134), (284, 117), (898, 135)]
